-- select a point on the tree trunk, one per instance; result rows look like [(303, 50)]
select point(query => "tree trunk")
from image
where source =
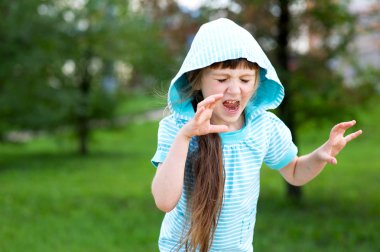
[(286, 108), (83, 116)]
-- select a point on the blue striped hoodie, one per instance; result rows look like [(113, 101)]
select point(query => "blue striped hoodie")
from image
[(263, 139)]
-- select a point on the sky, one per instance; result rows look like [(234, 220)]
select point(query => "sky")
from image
[(191, 4), (195, 4)]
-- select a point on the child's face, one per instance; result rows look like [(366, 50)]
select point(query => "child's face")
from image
[(237, 86)]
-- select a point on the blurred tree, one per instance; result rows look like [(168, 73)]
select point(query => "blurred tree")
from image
[(64, 63), (24, 51), (177, 29)]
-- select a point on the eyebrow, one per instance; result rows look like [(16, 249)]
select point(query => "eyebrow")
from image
[(226, 74)]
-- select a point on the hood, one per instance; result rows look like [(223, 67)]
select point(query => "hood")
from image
[(217, 41)]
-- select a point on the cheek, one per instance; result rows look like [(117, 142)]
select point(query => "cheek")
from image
[(212, 89), (248, 91)]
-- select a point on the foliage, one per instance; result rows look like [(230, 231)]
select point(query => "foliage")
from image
[(68, 62), (24, 51)]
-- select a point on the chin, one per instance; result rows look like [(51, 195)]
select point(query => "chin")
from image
[(229, 121)]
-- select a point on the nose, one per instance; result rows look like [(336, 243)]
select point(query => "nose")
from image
[(233, 87)]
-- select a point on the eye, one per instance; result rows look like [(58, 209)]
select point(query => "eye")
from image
[(221, 80), (244, 81)]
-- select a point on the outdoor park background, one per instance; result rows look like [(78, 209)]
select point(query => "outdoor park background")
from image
[(82, 83)]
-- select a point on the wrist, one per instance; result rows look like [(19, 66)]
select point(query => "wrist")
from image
[(323, 155), (183, 134)]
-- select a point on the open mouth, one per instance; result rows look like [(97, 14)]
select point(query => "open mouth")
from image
[(231, 105)]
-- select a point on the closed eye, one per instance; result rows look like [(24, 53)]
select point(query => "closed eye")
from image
[(221, 80), (245, 81)]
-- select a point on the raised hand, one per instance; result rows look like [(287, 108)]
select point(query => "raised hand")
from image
[(200, 124), (337, 141)]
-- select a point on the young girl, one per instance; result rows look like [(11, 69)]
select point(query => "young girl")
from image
[(211, 147)]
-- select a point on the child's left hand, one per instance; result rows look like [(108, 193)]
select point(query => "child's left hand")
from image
[(337, 141)]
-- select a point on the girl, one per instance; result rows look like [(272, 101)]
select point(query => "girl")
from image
[(211, 147)]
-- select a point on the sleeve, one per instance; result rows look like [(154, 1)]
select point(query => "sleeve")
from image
[(281, 149), (167, 131)]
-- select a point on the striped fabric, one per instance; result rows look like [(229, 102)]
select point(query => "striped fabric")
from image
[(264, 138)]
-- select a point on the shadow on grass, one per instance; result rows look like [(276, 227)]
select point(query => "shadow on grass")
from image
[(53, 160)]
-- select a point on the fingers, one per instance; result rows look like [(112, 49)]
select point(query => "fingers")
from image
[(332, 161), (218, 128), (328, 158), (198, 114), (343, 126), (353, 135), (209, 101), (204, 115), (205, 107)]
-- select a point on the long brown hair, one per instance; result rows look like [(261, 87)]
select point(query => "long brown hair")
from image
[(205, 181)]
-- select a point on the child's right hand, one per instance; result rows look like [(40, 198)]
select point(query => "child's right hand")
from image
[(200, 124)]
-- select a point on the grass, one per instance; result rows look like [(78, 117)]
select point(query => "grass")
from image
[(57, 201), (54, 200)]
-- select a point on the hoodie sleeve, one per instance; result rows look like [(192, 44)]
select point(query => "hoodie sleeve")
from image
[(281, 149), (167, 131)]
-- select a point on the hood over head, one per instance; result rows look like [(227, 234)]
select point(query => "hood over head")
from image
[(217, 41)]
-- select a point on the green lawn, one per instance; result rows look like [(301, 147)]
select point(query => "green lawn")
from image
[(54, 200)]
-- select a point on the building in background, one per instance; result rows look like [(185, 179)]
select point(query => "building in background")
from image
[(367, 39), (366, 44)]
